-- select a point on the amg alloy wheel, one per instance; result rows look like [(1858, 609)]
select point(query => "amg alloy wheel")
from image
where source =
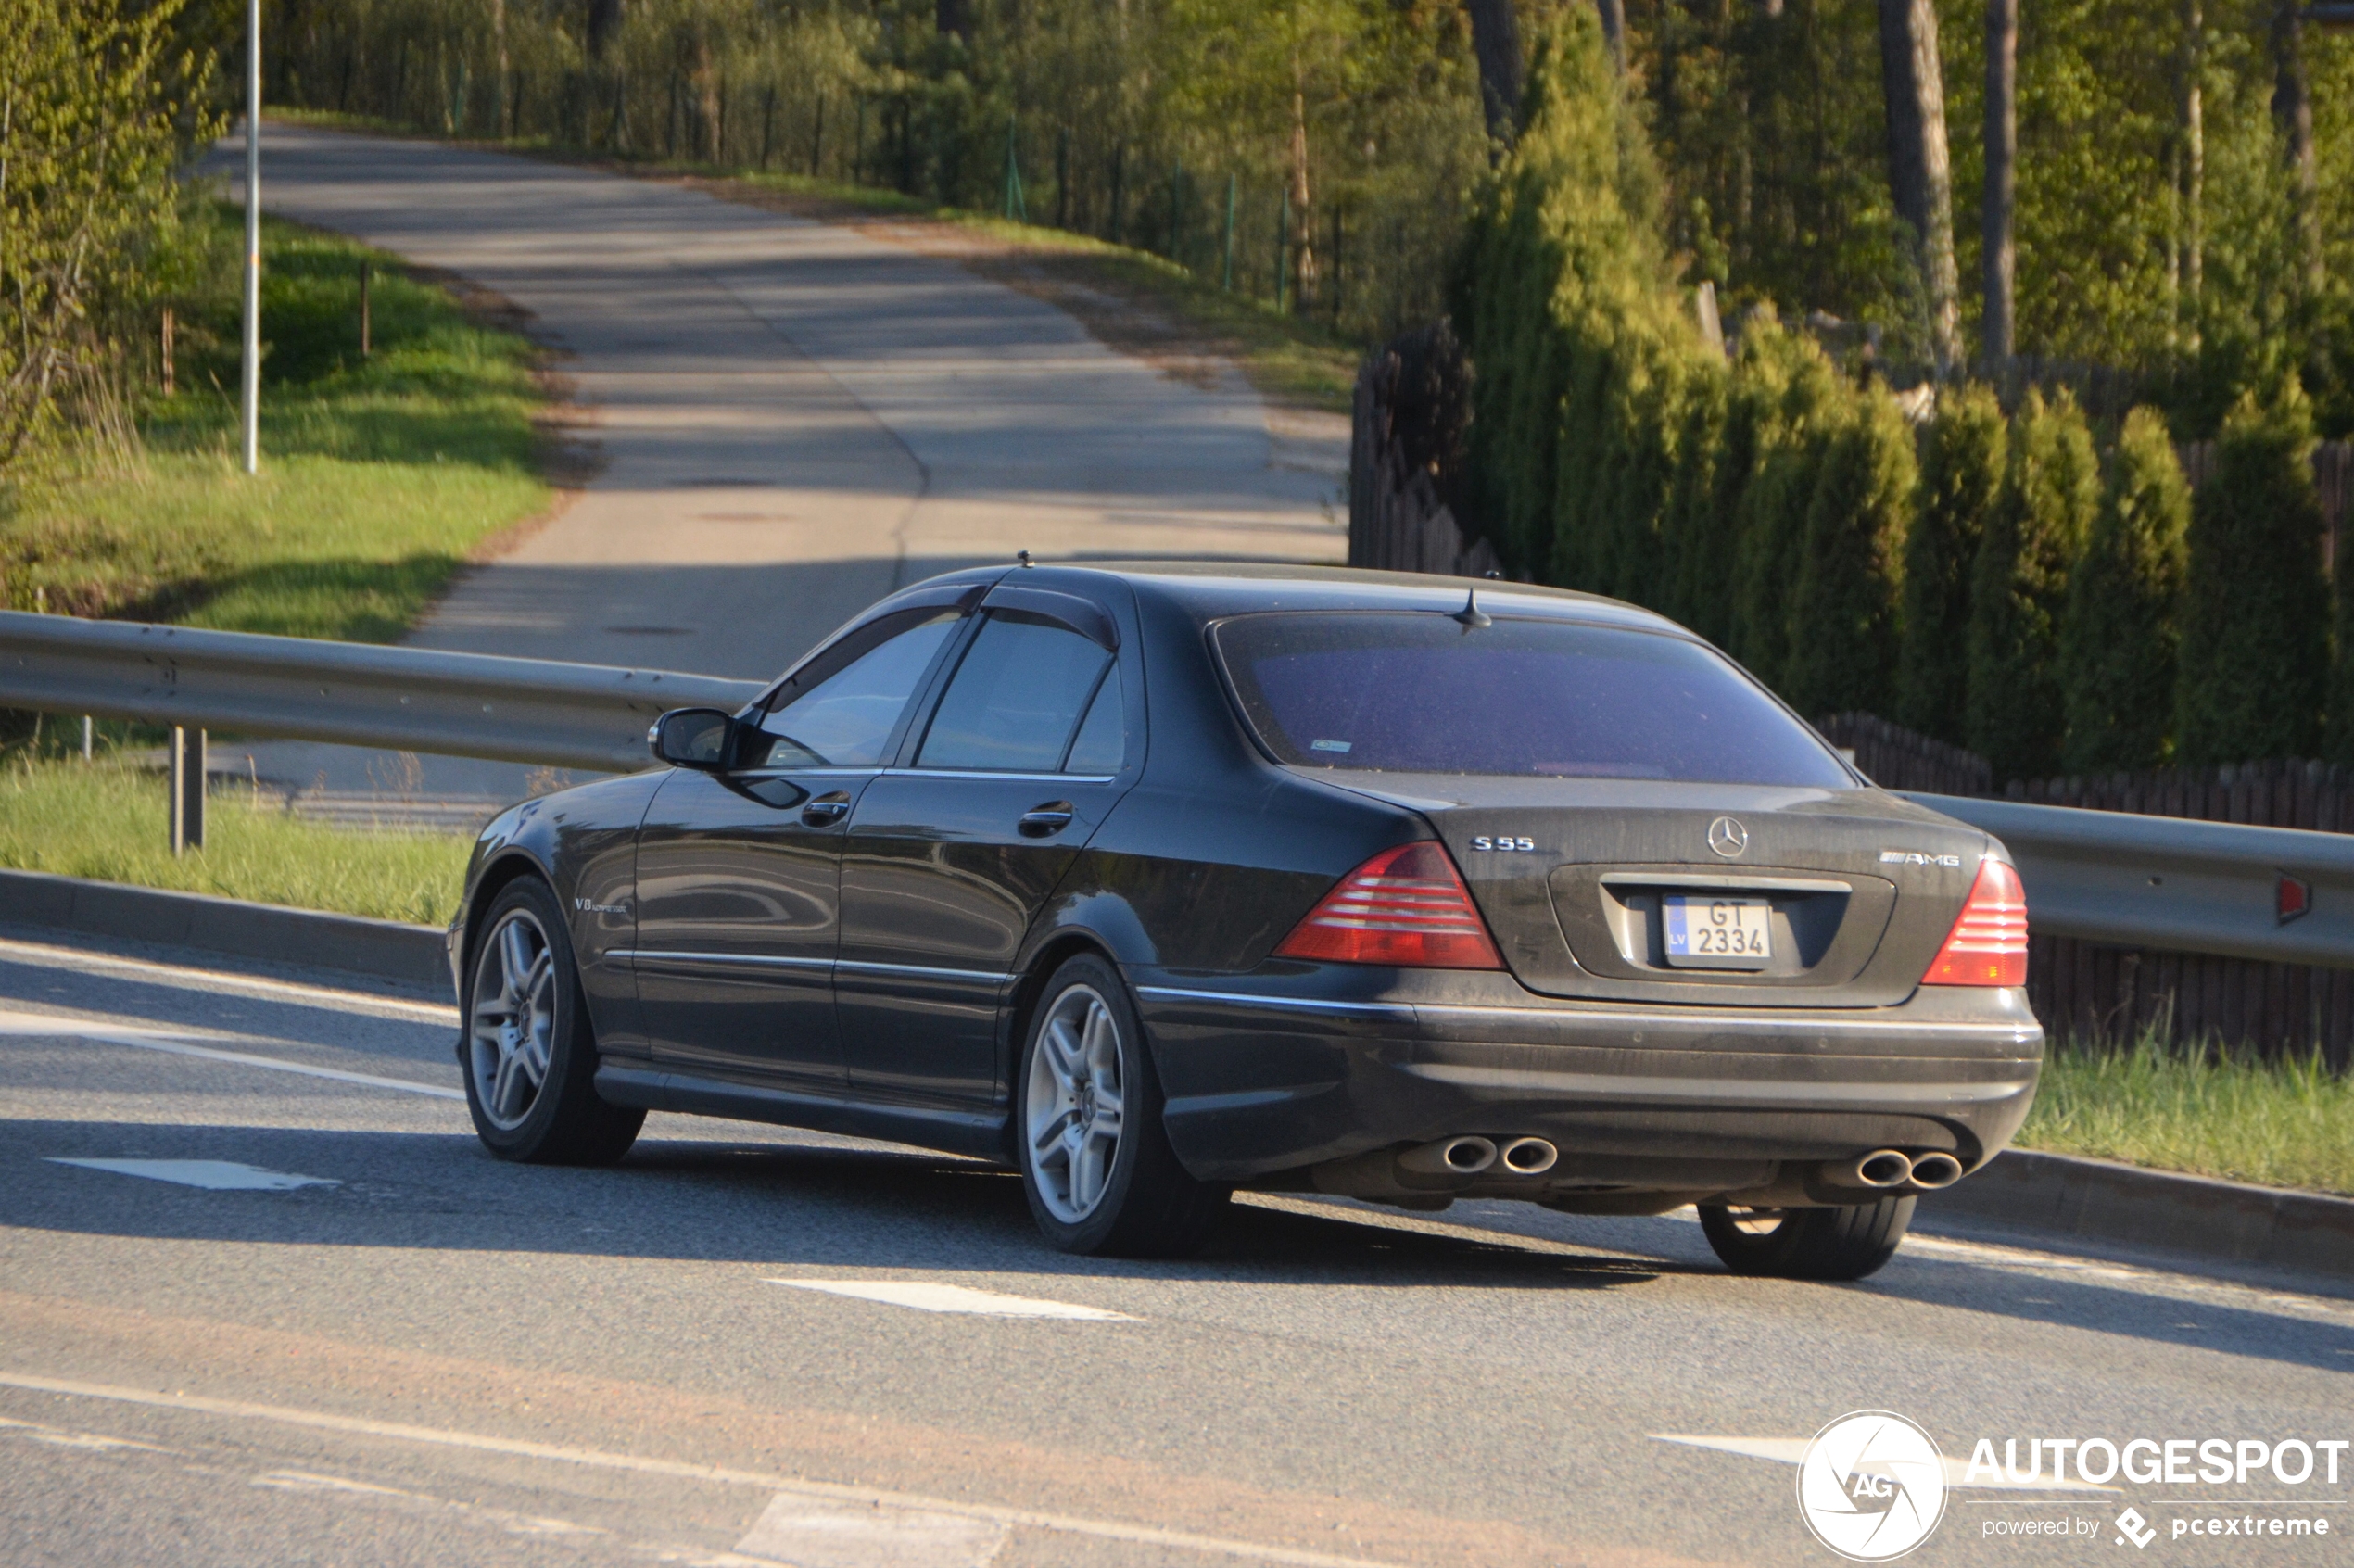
[(1846, 1243), (529, 1055), (1095, 1162)]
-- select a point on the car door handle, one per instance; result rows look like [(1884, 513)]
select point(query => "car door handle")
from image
[(826, 810), (1046, 821)]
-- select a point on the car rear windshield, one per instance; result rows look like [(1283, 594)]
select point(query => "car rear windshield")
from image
[(1421, 692)]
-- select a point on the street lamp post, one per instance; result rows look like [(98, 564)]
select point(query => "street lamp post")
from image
[(253, 237)]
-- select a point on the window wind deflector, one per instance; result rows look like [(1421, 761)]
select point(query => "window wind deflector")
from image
[(963, 596), (1081, 615)]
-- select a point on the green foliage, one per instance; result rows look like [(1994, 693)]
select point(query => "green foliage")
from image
[(2019, 588), (92, 120), (378, 476), (2117, 644), (1566, 304), (1844, 615), (1962, 464), (2256, 615), (1793, 444)]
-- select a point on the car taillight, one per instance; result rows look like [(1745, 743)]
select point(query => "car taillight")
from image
[(1988, 943), (1405, 907)]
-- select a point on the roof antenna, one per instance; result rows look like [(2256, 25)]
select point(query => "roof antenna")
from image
[(1022, 556), (1471, 614)]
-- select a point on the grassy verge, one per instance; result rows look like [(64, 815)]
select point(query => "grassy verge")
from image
[(1291, 360), (107, 821), (379, 476), (2286, 1125)]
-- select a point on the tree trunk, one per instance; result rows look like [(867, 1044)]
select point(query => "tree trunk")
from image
[(498, 82), (1496, 41), (604, 23), (1303, 231), (1613, 14), (2293, 112), (2194, 217), (1919, 177), (2002, 180)]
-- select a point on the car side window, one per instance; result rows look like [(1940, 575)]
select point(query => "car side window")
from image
[(842, 712), (1102, 744), (1016, 698)]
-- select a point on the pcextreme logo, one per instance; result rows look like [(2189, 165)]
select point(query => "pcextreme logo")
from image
[(1871, 1485)]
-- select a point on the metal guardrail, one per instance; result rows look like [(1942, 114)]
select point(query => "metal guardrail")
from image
[(2273, 894), (2280, 895), (589, 716)]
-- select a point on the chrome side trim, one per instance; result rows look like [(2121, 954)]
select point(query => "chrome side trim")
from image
[(723, 960), (1715, 1091), (862, 966), (1398, 1010), (978, 773)]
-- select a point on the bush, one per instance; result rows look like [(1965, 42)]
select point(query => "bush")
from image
[(1961, 475), (2019, 588), (1813, 405), (2118, 647), (1843, 645), (2256, 616)]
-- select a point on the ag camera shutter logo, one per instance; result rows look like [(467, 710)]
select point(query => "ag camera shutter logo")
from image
[(1871, 1485)]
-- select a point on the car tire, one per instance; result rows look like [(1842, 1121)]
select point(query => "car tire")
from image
[(527, 1051), (1845, 1243), (1096, 1160)]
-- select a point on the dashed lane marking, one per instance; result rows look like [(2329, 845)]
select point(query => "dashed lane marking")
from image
[(925, 1296), (823, 1533), (213, 1175), (1012, 1518), (58, 1027)]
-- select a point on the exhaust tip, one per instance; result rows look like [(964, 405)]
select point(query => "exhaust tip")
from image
[(1528, 1156), (1884, 1167), (1467, 1155), (1932, 1172)]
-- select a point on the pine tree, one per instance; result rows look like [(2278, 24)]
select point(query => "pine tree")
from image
[(1843, 642), (1710, 554), (2256, 614), (1704, 448), (2117, 644), (1961, 475), (2019, 588), (2341, 730)]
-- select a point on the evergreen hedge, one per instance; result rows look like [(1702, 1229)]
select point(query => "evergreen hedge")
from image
[(1962, 460), (2118, 641), (2255, 612), (1814, 404), (2019, 588), (1844, 615)]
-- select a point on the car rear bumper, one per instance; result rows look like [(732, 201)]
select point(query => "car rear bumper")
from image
[(1262, 1077)]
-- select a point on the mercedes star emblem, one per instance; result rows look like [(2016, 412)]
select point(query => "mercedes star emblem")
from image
[(1727, 837)]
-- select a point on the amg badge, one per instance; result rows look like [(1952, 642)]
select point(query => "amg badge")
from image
[(1914, 857)]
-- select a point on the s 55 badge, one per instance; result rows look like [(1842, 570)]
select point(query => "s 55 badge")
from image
[(1486, 843)]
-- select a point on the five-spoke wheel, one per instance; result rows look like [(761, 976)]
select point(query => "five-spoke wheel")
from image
[(529, 1055), (1096, 1159)]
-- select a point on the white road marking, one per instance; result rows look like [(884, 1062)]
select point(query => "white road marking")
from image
[(58, 1027), (213, 1175), (224, 980), (1014, 1518), (1792, 1451), (821, 1533), (925, 1296)]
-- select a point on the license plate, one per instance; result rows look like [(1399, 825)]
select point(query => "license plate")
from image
[(1720, 933)]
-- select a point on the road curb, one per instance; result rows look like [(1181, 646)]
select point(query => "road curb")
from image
[(382, 949), (2099, 1200)]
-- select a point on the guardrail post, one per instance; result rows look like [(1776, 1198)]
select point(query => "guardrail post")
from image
[(187, 790)]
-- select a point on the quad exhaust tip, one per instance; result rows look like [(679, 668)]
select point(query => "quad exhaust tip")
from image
[(1529, 1156), (1932, 1172), (1882, 1169)]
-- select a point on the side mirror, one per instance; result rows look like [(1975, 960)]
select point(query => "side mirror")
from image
[(695, 737)]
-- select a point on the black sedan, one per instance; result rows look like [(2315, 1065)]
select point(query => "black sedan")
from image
[(1157, 881)]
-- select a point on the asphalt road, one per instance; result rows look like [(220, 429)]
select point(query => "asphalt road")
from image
[(792, 419), (732, 1348)]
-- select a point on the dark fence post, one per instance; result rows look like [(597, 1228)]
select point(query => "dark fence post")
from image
[(187, 790)]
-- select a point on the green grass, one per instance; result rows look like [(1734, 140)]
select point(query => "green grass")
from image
[(2286, 1125), (107, 821), (379, 477)]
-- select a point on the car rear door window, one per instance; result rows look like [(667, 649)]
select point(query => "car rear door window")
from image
[(1016, 699), (1102, 742), (841, 712), (1421, 692)]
